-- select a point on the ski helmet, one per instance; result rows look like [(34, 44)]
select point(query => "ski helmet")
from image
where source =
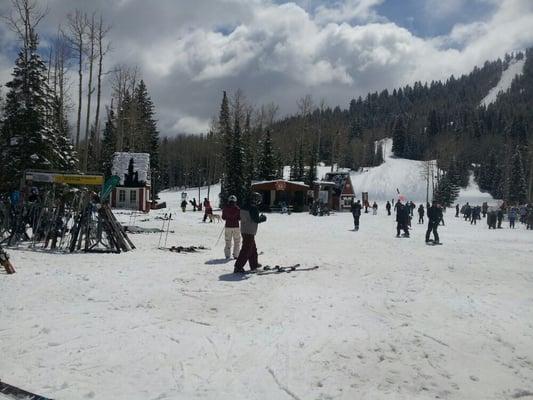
[(256, 198), (232, 199)]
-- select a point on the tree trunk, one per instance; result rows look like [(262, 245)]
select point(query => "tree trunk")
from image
[(89, 94)]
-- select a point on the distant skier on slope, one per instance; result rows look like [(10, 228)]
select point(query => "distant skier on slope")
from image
[(375, 208), (388, 207), (456, 210), (250, 218), (434, 218), (355, 209)]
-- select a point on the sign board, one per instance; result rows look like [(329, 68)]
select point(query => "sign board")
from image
[(280, 186), (70, 179)]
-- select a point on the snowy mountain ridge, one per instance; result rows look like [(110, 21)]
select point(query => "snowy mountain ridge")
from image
[(515, 68)]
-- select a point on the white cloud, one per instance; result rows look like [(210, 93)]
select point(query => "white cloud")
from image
[(280, 52)]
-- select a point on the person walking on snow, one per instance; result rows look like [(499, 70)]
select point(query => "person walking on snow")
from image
[(355, 208), (434, 218), (250, 219), (388, 207), (207, 209), (421, 213), (511, 214), (183, 205), (375, 208), (457, 211), (231, 213), (402, 219), (500, 217)]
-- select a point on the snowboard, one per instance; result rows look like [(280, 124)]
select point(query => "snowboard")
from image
[(16, 393)]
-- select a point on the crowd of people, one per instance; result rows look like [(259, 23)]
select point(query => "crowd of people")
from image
[(495, 215)]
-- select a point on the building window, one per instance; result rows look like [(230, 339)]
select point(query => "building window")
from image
[(121, 196), (133, 196)]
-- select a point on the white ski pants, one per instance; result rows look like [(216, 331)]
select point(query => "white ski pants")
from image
[(235, 234)]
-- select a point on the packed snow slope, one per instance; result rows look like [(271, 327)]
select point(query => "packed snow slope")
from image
[(382, 318), (406, 176), (515, 68)]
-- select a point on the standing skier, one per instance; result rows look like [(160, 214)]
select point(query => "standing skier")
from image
[(183, 205), (456, 210), (402, 219), (388, 207), (250, 218), (207, 209), (355, 208), (231, 213), (375, 208), (511, 214), (500, 217), (421, 213), (434, 218)]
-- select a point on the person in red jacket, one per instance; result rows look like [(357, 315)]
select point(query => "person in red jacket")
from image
[(231, 213), (207, 209)]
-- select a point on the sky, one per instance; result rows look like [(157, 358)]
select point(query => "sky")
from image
[(188, 52)]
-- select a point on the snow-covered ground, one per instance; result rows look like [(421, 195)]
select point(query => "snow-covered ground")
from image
[(515, 68), (382, 318)]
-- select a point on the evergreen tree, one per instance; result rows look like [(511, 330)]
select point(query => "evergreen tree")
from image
[(517, 179), (225, 137), (311, 174), (235, 178), (378, 159), (249, 152), (446, 191), (267, 162), (148, 134), (29, 138), (399, 137), (109, 143)]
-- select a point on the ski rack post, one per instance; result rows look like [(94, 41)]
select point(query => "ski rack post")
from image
[(161, 234), (168, 227)]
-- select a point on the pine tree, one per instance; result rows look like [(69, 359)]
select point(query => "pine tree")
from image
[(517, 179), (267, 162), (399, 137), (109, 143), (311, 175), (378, 159), (446, 191), (225, 137), (235, 179), (29, 138)]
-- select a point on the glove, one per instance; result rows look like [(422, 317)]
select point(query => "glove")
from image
[(262, 218)]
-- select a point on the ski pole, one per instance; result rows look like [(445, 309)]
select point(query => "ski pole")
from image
[(161, 235), (220, 235), (168, 227)]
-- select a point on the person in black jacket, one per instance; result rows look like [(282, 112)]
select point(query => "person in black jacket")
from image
[(434, 218), (388, 207), (355, 208), (421, 213), (402, 219)]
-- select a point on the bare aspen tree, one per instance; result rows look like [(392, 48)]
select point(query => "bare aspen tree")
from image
[(23, 20), (91, 39), (77, 28), (123, 80), (103, 48)]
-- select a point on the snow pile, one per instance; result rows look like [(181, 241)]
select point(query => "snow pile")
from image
[(516, 68), (141, 165)]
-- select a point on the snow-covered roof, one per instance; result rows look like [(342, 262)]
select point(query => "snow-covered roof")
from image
[(292, 183), (141, 165)]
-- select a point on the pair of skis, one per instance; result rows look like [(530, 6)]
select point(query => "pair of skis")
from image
[(277, 269), (166, 221)]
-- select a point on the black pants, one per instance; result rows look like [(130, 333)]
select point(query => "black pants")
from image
[(388, 211), (402, 226), (511, 223), (356, 221), (420, 219), (248, 253), (432, 227)]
